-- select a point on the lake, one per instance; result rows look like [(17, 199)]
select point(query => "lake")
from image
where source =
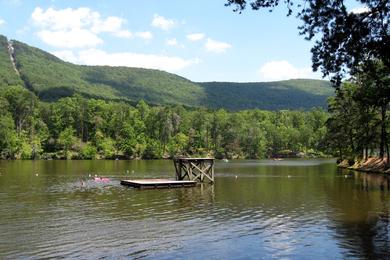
[(261, 209)]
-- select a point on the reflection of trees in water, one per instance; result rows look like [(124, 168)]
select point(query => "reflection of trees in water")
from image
[(359, 211), (373, 181), (191, 197)]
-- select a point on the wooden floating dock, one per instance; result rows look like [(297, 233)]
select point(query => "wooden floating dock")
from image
[(193, 169), (158, 183)]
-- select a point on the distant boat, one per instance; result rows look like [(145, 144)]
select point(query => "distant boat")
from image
[(225, 160)]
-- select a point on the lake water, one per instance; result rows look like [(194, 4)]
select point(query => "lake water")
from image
[(262, 209)]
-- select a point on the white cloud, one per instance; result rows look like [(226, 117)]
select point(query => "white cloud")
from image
[(123, 34), (144, 35), (112, 25), (195, 36), (216, 46), (360, 10), (64, 19), (283, 70), (78, 27), (2, 22), (172, 42), (128, 59), (162, 22), (75, 38)]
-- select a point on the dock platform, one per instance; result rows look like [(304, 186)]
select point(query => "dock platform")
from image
[(158, 183)]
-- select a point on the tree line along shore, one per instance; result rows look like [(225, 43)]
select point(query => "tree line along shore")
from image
[(79, 128)]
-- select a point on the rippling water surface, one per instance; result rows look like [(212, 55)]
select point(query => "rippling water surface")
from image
[(300, 209)]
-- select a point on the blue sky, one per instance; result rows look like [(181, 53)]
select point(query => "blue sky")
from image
[(201, 40)]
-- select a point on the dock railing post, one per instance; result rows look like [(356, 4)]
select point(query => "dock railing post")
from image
[(196, 169)]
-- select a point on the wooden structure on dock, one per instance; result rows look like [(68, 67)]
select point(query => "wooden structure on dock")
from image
[(157, 183), (194, 169)]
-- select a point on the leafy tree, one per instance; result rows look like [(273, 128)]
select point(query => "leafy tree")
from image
[(345, 39), (356, 124), (178, 145), (22, 105), (107, 148), (88, 151), (66, 140), (254, 142), (8, 138), (153, 150), (25, 148), (114, 129), (374, 81)]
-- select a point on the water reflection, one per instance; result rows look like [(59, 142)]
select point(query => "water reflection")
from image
[(286, 209), (359, 210)]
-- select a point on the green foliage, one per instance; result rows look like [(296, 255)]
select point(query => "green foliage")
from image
[(66, 139), (90, 115), (8, 76), (153, 150), (128, 140), (343, 39), (51, 79), (22, 104), (178, 144), (88, 151), (76, 127), (359, 120), (107, 148), (8, 138), (289, 94), (26, 149)]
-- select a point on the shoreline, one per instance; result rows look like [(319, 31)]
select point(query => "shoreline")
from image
[(370, 165), (164, 158)]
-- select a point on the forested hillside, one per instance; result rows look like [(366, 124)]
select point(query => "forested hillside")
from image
[(289, 94), (80, 128), (118, 112), (51, 78)]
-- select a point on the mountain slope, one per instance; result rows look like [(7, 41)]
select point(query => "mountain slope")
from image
[(8, 75), (291, 94), (51, 78)]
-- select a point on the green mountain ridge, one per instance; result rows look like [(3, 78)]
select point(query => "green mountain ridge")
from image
[(51, 78)]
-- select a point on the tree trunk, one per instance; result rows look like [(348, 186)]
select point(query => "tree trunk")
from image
[(383, 131), (367, 134), (82, 130), (85, 132), (352, 144)]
